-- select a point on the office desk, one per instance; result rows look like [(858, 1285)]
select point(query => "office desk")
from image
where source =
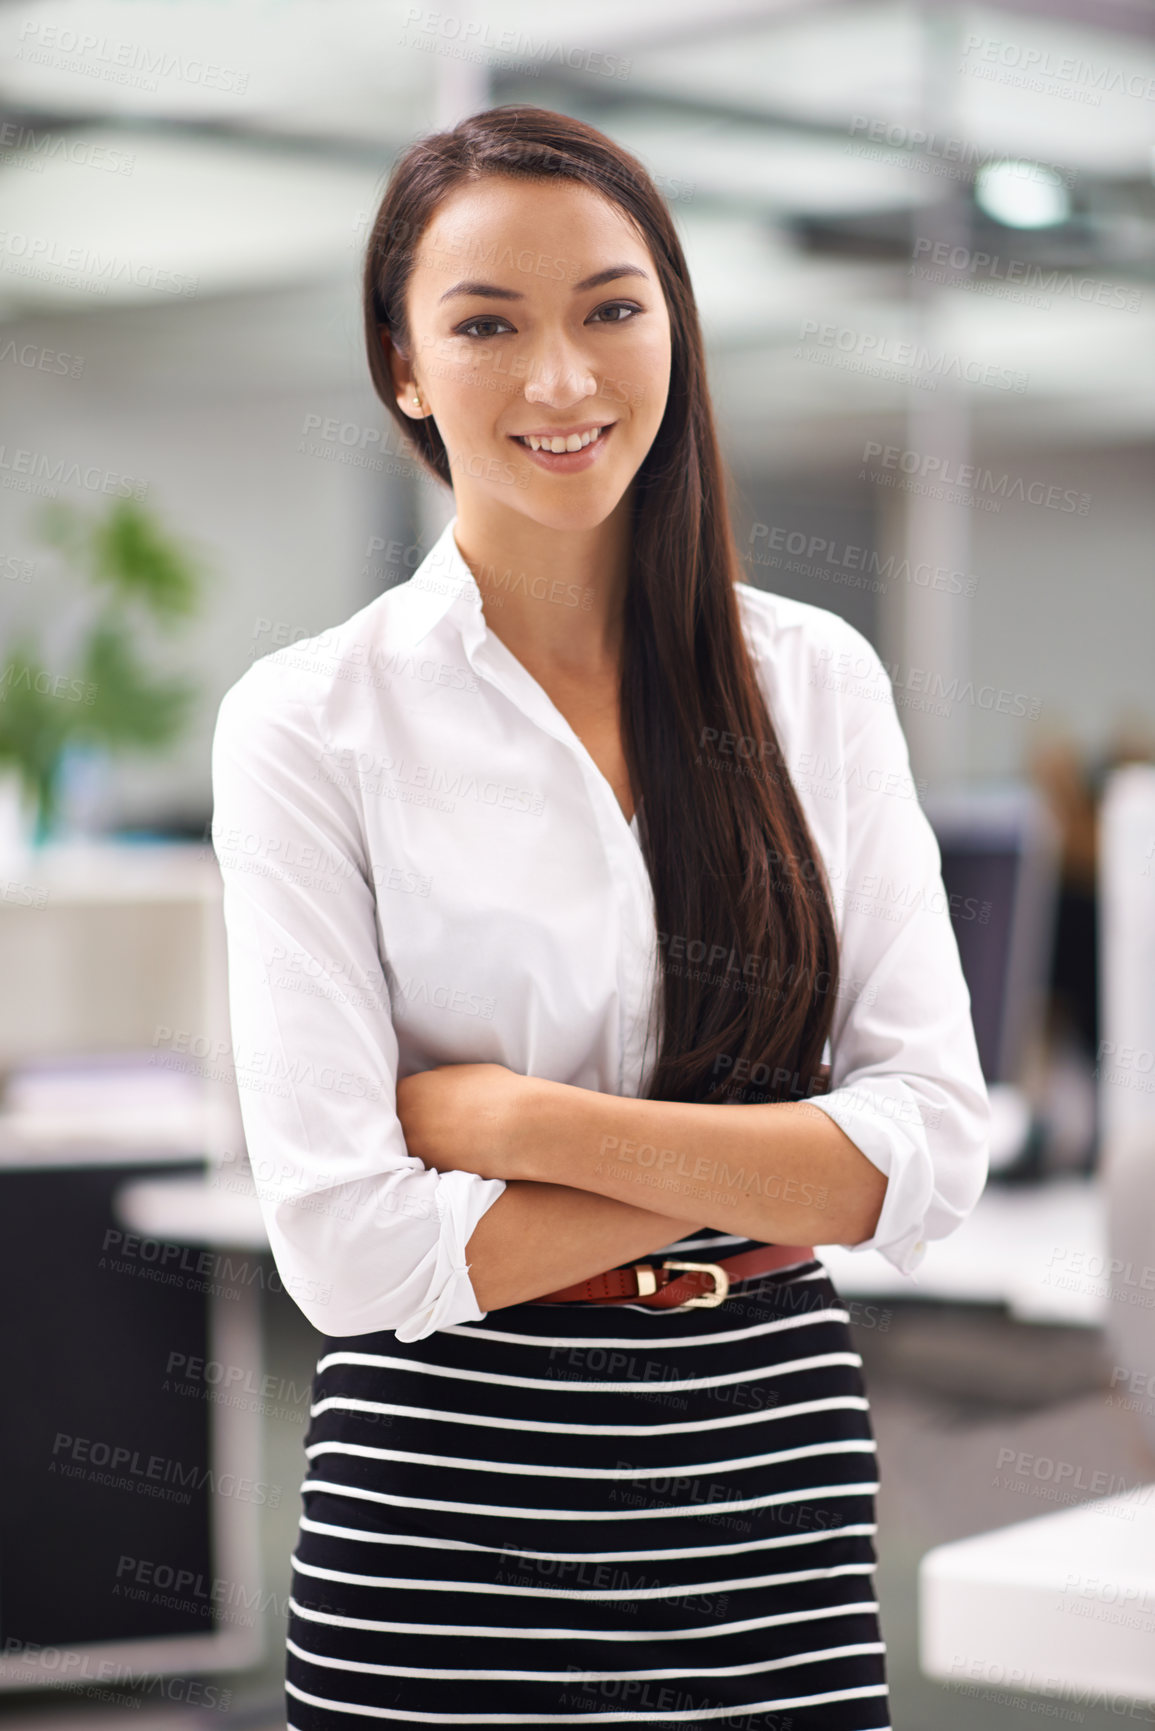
[(1057, 1606), (1039, 1249)]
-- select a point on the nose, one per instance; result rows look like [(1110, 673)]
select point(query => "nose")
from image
[(560, 379)]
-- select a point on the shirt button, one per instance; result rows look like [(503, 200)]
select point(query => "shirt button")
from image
[(921, 1245)]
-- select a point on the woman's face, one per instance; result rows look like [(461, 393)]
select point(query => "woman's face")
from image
[(535, 309)]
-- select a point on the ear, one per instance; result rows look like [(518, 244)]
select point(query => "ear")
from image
[(405, 387)]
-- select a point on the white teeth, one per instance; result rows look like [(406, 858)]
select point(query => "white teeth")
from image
[(575, 441)]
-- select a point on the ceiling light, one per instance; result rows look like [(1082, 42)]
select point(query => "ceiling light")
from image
[(1022, 194)]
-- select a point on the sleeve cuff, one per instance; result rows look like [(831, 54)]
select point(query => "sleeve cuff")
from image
[(900, 1234), (462, 1198)]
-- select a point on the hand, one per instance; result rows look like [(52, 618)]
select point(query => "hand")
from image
[(464, 1117)]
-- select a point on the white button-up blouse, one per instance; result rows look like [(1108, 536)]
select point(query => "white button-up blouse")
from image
[(423, 865)]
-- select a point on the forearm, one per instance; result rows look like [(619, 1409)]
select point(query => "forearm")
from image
[(538, 1237), (777, 1173)]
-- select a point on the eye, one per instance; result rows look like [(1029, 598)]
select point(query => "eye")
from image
[(467, 330), (620, 307), (471, 328)]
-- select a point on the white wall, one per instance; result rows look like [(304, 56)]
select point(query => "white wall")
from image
[(1065, 607), (1060, 627)]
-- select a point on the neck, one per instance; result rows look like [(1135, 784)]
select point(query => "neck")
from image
[(555, 597)]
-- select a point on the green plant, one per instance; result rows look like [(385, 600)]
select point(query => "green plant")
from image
[(109, 699)]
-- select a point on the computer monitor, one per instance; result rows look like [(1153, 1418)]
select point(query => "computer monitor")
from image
[(1000, 870), (1000, 851)]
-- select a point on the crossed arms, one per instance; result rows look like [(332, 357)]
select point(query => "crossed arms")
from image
[(594, 1179)]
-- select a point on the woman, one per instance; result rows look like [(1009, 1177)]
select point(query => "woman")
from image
[(552, 877)]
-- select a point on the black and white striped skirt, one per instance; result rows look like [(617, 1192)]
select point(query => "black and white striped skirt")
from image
[(603, 1514)]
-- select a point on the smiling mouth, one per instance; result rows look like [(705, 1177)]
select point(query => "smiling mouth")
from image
[(560, 442)]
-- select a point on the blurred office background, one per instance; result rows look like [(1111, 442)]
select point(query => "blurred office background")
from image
[(923, 244)]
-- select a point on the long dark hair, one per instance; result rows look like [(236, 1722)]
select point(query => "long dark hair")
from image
[(747, 938)]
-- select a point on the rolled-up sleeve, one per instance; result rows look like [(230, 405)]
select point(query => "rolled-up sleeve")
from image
[(364, 1236), (906, 1084)]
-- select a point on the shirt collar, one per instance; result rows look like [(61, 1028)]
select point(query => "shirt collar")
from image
[(442, 584)]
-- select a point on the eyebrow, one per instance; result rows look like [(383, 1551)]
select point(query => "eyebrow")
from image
[(492, 291)]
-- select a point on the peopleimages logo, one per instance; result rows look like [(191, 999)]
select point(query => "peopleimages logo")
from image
[(817, 554), (85, 267), (990, 270), (992, 57), (121, 62), (951, 155), (472, 38), (970, 478), (902, 352), (24, 146), (27, 470)]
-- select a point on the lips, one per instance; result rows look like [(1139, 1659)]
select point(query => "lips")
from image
[(560, 441), (562, 463)]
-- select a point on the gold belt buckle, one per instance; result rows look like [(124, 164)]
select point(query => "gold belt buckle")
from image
[(704, 1300)]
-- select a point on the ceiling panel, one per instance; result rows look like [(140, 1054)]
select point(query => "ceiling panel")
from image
[(736, 161), (998, 82), (192, 217)]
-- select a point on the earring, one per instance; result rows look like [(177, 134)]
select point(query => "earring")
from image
[(417, 399)]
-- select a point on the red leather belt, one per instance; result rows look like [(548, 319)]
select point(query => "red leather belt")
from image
[(696, 1284)]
